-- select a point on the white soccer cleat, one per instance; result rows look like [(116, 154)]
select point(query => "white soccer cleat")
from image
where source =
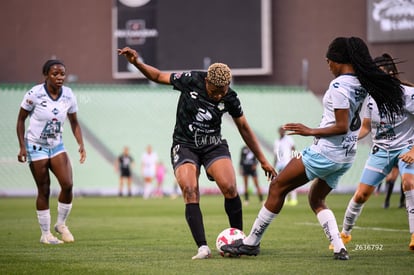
[(50, 239), (63, 230), (204, 252)]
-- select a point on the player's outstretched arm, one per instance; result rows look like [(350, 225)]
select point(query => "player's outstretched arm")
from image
[(251, 141), (150, 72)]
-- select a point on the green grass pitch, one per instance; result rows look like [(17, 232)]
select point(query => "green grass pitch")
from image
[(135, 236)]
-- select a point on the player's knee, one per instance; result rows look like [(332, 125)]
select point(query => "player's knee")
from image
[(190, 194), (229, 191), (408, 184), (361, 196)]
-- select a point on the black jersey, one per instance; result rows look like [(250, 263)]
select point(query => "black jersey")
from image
[(198, 118), (247, 158), (125, 162)]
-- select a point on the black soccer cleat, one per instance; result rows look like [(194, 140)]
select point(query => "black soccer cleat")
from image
[(341, 255), (238, 248)]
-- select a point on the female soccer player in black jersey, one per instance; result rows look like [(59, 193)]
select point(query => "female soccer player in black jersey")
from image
[(197, 140)]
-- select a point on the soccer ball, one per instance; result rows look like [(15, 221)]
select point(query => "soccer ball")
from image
[(228, 236)]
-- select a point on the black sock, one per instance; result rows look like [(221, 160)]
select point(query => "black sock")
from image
[(390, 187), (233, 209), (195, 222)]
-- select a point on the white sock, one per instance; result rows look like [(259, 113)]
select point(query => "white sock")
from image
[(147, 190), (63, 212), (351, 215), (409, 202), (43, 216), (263, 220), (328, 222)]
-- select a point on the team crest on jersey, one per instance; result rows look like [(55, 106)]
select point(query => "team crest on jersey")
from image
[(55, 111), (220, 106)]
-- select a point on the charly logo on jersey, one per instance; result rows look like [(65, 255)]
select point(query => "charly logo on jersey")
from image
[(55, 111), (194, 95), (203, 115)]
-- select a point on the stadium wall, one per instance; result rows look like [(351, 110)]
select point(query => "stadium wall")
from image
[(80, 33)]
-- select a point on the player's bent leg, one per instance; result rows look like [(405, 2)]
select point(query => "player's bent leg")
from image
[(62, 168)]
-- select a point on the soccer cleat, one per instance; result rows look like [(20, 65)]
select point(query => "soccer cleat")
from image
[(345, 239), (63, 230), (204, 252), (341, 255), (50, 239), (238, 248), (411, 245)]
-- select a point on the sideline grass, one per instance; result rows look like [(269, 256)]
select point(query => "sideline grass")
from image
[(135, 236)]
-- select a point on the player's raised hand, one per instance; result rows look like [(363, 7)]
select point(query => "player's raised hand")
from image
[(130, 54)]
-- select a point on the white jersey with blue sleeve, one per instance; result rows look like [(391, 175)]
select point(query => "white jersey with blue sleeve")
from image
[(344, 92), (47, 115), (390, 136)]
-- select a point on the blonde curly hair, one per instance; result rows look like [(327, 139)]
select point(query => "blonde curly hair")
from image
[(219, 74)]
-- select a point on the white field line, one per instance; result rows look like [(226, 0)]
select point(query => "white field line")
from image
[(359, 227)]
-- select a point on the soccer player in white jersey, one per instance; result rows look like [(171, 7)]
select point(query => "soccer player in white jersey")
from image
[(149, 161), (41, 145), (392, 145), (334, 147)]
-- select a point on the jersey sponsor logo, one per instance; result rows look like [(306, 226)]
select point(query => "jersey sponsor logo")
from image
[(202, 140), (51, 129), (203, 115), (349, 143), (385, 131)]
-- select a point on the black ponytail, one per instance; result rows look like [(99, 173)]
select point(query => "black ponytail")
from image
[(384, 89)]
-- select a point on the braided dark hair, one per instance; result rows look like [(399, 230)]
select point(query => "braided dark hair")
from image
[(384, 89), (389, 65)]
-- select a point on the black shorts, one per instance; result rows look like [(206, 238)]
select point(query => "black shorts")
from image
[(125, 172), (204, 156), (249, 170)]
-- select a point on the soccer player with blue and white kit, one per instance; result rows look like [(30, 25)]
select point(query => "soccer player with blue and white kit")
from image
[(41, 145), (392, 145), (333, 151)]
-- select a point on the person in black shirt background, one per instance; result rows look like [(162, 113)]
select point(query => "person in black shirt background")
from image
[(248, 168), (123, 165), (197, 140)]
